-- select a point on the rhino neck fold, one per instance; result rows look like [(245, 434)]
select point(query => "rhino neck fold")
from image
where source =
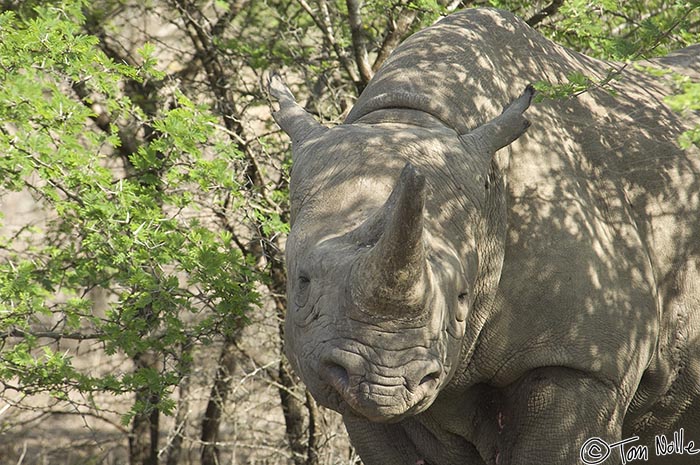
[(490, 242), (399, 100), (401, 115)]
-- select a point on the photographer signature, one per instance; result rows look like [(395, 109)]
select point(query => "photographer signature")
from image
[(595, 450)]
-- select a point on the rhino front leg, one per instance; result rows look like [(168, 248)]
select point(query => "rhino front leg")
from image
[(410, 442), (552, 412)]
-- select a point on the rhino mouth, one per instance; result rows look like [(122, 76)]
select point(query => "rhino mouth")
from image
[(380, 398), (384, 404)]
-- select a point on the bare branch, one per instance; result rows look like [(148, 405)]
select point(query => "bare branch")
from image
[(90, 414), (545, 13), (326, 27), (359, 41), (455, 4), (57, 335), (396, 32), (234, 8)]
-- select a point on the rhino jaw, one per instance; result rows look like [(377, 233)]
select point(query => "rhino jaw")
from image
[(391, 279)]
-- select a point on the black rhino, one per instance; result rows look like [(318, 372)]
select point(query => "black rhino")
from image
[(462, 304)]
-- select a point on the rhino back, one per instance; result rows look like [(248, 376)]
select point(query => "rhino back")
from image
[(617, 153), (604, 220), (465, 68)]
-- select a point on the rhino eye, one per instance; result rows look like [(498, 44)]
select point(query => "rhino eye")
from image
[(462, 306), (301, 296)]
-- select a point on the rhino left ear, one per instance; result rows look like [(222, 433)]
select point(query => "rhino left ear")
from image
[(505, 128), (291, 117)]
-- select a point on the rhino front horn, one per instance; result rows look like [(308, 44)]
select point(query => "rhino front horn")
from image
[(291, 117), (392, 279)]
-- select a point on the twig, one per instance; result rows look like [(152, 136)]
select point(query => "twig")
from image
[(24, 452), (614, 73)]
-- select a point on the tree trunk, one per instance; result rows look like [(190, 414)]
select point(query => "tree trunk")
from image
[(217, 400), (143, 441), (312, 447), (293, 410), (174, 449)]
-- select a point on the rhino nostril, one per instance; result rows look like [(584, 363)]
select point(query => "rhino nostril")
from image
[(434, 376), (336, 375)]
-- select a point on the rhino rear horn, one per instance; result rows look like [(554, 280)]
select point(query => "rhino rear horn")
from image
[(391, 279), (505, 128), (291, 117)]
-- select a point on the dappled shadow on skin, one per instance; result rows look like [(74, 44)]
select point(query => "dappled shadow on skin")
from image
[(602, 250)]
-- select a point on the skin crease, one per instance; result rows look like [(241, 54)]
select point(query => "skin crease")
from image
[(463, 304)]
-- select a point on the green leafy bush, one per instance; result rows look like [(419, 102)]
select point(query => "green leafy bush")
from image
[(133, 226)]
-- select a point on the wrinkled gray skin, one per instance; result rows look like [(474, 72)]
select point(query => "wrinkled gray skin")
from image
[(462, 304)]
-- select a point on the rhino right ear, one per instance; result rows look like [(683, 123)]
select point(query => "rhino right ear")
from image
[(291, 117), (505, 128)]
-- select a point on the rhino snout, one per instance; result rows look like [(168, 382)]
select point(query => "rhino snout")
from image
[(380, 393)]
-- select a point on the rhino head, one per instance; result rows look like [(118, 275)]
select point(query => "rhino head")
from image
[(377, 304)]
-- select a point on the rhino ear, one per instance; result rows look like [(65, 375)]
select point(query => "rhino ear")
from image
[(505, 128), (291, 117)]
